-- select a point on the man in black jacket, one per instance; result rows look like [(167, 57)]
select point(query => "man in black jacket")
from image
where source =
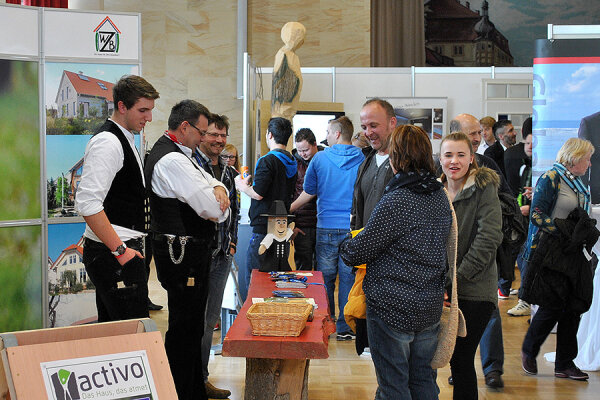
[(507, 137), (305, 232), (187, 203), (111, 197)]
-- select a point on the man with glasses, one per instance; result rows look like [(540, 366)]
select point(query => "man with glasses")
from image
[(207, 155), (186, 204)]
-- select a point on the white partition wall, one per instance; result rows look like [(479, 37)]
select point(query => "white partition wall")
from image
[(57, 69)]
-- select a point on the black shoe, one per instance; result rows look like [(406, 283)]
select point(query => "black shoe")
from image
[(494, 380), (450, 381), (529, 364), (571, 373), (154, 307)]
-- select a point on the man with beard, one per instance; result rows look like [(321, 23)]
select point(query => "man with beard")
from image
[(507, 137)]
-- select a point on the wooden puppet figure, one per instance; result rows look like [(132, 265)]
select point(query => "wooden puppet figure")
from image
[(287, 78), (275, 247)]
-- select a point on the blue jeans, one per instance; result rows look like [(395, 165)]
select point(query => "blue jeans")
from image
[(252, 262), (403, 361), (330, 264), (491, 347), (217, 279)]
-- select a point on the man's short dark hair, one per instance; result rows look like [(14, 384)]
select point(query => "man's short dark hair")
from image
[(220, 121), (130, 88), (526, 129), (186, 110), (344, 126), (281, 129), (389, 109), (306, 134), (500, 125)]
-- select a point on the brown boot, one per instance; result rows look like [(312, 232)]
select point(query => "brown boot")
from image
[(216, 393)]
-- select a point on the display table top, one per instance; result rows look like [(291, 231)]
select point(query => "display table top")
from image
[(312, 342)]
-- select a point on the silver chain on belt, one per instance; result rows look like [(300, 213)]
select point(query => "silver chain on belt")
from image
[(182, 241)]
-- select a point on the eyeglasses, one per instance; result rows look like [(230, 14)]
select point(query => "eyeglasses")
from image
[(217, 135), (195, 127), (227, 157)]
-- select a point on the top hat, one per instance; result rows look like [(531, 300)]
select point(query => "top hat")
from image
[(277, 210)]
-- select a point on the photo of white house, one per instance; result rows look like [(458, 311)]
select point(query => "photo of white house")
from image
[(83, 96)]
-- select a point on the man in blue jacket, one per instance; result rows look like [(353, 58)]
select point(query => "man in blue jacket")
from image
[(330, 178)]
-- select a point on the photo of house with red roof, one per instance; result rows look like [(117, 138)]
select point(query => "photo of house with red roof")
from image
[(83, 96)]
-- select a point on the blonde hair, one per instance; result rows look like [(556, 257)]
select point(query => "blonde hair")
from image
[(487, 121), (459, 137), (230, 149), (573, 150)]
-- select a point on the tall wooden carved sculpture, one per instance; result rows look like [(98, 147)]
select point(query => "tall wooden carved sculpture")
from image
[(287, 78)]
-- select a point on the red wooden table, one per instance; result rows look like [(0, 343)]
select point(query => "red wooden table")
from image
[(276, 365)]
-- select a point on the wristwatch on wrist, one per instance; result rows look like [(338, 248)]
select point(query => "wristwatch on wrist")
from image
[(120, 250)]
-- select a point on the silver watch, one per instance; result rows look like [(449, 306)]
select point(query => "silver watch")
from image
[(120, 250)]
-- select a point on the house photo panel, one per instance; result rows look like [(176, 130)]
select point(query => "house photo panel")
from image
[(78, 99), (71, 294)]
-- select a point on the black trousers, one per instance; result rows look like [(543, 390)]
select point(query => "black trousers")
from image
[(187, 306), (462, 365), (304, 249), (566, 335), (103, 269)]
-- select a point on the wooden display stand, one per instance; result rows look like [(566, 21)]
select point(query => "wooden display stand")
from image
[(22, 352), (276, 366)]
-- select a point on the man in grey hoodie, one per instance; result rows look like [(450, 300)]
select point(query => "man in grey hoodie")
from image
[(330, 178)]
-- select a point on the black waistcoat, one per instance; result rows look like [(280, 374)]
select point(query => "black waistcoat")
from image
[(169, 215), (126, 203)]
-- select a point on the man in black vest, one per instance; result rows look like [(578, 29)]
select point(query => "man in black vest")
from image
[(186, 203), (208, 157), (111, 197)]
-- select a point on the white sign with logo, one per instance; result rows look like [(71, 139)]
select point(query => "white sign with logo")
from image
[(105, 377), (91, 35)]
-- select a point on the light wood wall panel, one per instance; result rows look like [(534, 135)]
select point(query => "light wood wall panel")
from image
[(188, 51), (337, 31)]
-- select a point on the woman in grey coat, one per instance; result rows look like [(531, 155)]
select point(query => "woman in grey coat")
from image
[(474, 194)]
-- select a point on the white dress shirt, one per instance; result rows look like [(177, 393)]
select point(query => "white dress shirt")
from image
[(102, 160), (174, 176)]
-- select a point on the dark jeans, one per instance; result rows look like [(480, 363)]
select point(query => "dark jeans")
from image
[(103, 269), (566, 335), (491, 346), (304, 249), (187, 305), (403, 361), (462, 365), (217, 279), (252, 262)]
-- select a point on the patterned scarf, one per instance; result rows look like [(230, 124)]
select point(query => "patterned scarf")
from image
[(575, 183)]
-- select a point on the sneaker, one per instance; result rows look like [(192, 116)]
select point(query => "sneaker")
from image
[(514, 292), (494, 380), (344, 336), (522, 308), (571, 373), (501, 295), (213, 392), (529, 364)]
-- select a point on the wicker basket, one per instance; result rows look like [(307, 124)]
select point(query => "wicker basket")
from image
[(278, 319)]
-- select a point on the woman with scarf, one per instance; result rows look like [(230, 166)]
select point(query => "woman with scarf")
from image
[(404, 246), (557, 192), (474, 194)]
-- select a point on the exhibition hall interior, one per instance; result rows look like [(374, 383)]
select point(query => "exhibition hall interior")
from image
[(285, 199)]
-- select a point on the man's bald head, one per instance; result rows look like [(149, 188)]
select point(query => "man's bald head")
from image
[(469, 125)]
